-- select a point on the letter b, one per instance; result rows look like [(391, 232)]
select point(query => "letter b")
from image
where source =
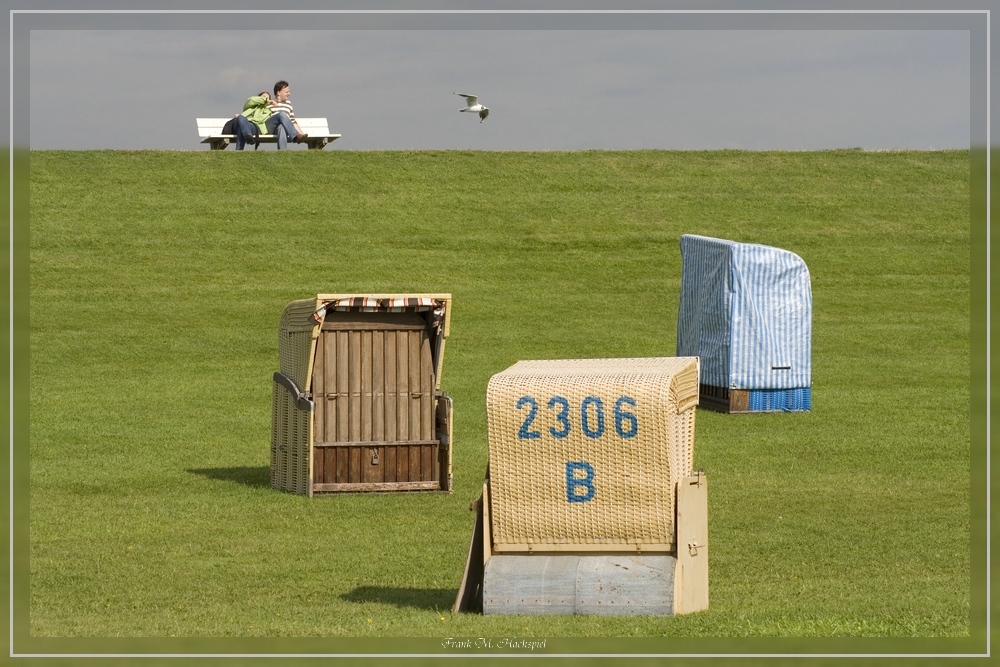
[(573, 482)]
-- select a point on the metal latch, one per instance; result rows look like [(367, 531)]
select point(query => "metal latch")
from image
[(374, 456), (693, 548)]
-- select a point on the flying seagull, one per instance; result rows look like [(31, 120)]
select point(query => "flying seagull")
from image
[(472, 104)]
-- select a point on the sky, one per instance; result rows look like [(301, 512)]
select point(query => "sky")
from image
[(547, 89)]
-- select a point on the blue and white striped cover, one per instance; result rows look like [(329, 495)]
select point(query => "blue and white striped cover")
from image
[(746, 311)]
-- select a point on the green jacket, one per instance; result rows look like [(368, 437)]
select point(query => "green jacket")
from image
[(257, 111)]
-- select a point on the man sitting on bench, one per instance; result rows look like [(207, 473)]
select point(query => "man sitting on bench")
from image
[(280, 105)]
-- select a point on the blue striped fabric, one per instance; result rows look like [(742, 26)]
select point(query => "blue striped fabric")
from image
[(780, 400), (703, 315), (746, 311)]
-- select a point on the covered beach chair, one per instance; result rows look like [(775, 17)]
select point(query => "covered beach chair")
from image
[(746, 311)]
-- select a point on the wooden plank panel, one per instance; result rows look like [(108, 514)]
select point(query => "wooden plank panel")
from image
[(380, 486), (390, 386), (330, 466), (343, 387), (330, 445), (739, 400), (373, 326), (365, 325), (343, 459), (354, 473), (318, 456), (366, 386), (487, 523), (371, 472), (330, 385), (340, 321), (427, 462), (390, 464), (414, 455), (319, 393), (402, 386), (354, 382), (691, 582), (378, 385), (414, 380), (403, 464), (381, 381), (426, 389)]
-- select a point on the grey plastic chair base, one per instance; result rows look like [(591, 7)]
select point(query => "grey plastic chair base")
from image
[(608, 585)]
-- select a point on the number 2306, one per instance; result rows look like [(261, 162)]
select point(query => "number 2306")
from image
[(591, 413)]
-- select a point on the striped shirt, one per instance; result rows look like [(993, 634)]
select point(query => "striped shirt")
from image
[(283, 106)]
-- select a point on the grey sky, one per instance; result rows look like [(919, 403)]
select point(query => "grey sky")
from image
[(546, 89)]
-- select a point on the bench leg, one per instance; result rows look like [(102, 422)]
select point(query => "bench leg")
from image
[(219, 145), (317, 144)]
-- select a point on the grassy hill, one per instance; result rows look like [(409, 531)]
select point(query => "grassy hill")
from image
[(157, 281)]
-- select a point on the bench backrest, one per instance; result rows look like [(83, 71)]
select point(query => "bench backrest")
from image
[(212, 127)]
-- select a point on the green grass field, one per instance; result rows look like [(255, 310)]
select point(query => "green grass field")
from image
[(157, 281)]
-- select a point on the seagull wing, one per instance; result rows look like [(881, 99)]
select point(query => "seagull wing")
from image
[(483, 114), (469, 99)]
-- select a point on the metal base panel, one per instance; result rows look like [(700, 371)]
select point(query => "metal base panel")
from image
[(608, 585)]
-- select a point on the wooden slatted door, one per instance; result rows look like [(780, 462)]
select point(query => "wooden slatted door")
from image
[(373, 384)]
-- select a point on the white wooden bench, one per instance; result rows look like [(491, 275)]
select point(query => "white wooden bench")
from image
[(210, 131)]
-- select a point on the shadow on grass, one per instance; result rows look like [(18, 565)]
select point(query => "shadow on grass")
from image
[(256, 476), (419, 598)]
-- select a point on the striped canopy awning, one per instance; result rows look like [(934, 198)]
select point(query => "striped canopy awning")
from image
[(369, 304)]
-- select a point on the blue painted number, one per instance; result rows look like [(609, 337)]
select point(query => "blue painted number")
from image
[(524, 433), (585, 417), (573, 483), (562, 417), (591, 417), (622, 418)]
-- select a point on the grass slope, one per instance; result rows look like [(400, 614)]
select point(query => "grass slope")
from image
[(157, 280)]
